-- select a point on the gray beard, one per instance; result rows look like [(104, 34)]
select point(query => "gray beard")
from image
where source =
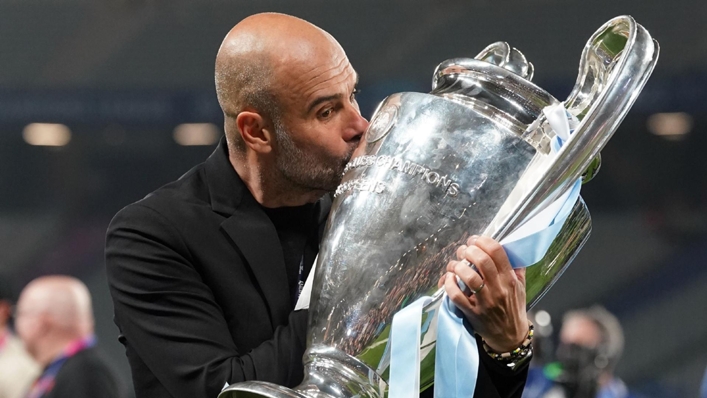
[(305, 170)]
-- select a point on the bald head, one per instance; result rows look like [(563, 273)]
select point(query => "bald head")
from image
[(62, 300), (256, 60)]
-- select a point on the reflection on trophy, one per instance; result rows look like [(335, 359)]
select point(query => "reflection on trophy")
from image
[(472, 157)]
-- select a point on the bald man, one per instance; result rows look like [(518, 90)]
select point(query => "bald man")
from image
[(205, 272), (54, 319)]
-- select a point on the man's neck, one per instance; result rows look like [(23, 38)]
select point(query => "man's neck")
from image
[(54, 349)]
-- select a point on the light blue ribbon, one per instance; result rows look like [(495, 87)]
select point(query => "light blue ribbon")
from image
[(405, 335), (531, 248), (457, 356)]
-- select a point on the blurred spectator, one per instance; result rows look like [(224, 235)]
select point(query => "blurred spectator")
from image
[(54, 319), (590, 345), (17, 369), (703, 389), (537, 383)]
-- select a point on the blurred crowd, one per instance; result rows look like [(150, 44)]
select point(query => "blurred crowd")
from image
[(48, 349)]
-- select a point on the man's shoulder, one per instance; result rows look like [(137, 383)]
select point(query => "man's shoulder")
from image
[(87, 372), (90, 359), (190, 189), (176, 202)]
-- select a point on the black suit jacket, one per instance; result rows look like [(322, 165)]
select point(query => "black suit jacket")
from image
[(200, 290), (86, 375)]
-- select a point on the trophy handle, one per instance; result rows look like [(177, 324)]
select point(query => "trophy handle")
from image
[(615, 65), (619, 52), (502, 54)]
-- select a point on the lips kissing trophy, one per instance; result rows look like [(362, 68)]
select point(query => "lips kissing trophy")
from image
[(482, 153)]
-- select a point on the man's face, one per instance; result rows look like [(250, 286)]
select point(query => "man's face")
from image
[(580, 331), (320, 125)]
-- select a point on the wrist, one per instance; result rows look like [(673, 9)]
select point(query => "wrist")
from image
[(508, 340), (515, 357)]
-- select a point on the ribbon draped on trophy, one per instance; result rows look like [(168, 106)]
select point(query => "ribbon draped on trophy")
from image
[(486, 152)]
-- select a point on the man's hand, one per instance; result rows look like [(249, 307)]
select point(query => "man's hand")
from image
[(497, 310)]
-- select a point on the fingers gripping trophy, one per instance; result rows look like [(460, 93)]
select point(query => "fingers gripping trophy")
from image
[(478, 155)]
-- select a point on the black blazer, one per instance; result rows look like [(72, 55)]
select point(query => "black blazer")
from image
[(199, 286), (86, 375)]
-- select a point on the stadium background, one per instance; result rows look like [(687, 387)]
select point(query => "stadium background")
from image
[(123, 76)]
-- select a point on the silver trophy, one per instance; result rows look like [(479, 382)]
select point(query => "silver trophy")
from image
[(471, 157)]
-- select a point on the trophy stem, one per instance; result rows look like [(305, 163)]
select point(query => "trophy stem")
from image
[(329, 373)]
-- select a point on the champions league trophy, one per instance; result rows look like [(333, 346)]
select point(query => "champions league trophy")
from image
[(472, 157)]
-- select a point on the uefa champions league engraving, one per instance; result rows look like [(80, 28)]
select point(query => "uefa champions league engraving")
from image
[(394, 163), (471, 157)]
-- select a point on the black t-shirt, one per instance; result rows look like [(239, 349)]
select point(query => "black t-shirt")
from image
[(294, 228)]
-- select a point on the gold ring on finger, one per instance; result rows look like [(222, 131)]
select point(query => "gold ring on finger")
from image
[(474, 291)]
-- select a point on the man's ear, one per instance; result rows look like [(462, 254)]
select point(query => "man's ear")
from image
[(256, 132)]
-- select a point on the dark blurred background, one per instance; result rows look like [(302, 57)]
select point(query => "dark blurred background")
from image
[(127, 86)]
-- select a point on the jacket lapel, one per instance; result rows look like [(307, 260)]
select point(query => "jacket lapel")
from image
[(251, 231)]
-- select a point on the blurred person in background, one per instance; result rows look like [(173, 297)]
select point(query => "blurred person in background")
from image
[(703, 388), (54, 319), (537, 382), (17, 368), (590, 345), (206, 271)]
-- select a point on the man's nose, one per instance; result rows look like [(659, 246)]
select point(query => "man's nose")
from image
[(358, 126)]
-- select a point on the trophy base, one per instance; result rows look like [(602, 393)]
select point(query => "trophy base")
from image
[(328, 373), (257, 389)]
